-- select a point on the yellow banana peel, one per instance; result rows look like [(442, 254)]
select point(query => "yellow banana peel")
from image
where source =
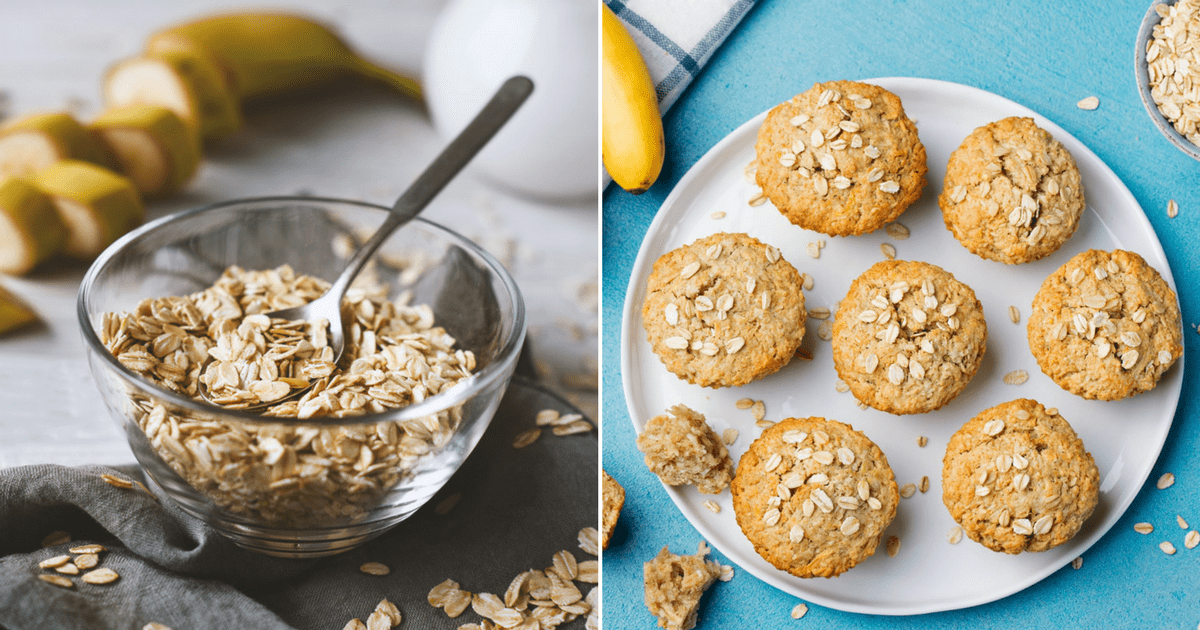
[(632, 134), (269, 54)]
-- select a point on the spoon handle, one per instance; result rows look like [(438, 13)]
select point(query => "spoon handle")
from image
[(444, 168)]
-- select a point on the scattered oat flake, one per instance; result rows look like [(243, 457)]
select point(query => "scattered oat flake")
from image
[(897, 230), (799, 611), (908, 489), (527, 437), (712, 506), (954, 535), (56, 580), (55, 539), (893, 546), (1014, 314), (758, 410), (889, 251), (1016, 377), (1167, 547), (353, 624), (924, 484), (1088, 103), (117, 482), (1182, 523), (154, 625), (100, 576), (1191, 539), (758, 200), (546, 417), (922, 441), (56, 561), (841, 387), (1172, 209), (744, 403), (589, 540), (718, 215), (1165, 481), (375, 568), (1077, 563), (92, 548), (579, 426), (87, 561), (729, 436), (1143, 528)]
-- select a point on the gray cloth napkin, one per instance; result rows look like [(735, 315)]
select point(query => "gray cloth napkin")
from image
[(515, 509)]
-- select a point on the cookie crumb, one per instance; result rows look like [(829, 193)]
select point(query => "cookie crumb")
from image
[(674, 585), (680, 448), (893, 546)]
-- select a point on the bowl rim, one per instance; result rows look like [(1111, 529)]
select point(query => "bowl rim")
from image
[(457, 394), (1141, 70)]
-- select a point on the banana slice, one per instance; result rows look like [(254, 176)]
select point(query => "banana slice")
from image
[(14, 312), (182, 81), (269, 54), (155, 148), (30, 228), (96, 204), (35, 142)]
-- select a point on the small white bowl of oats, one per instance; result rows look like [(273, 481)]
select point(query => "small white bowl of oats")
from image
[(1168, 71), (435, 326)]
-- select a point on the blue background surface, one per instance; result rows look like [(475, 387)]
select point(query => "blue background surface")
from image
[(1046, 56)]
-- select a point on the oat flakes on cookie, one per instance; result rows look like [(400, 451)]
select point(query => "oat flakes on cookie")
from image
[(1105, 325), (841, 158), (1012, 192), (724, 310), (1017, 478), (908, 337), (674, 585), (614, 500), (814, 496), (681, 449)]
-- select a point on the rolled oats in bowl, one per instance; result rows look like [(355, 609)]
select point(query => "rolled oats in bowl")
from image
[(429, 349), (1168, 67)]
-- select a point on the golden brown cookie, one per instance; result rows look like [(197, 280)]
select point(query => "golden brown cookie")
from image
[(1105, 325), (674, 585), (1017, 478), (614, 500), (814, 496), (724, 310), (908, 337), (1012, 192), (681, 449), (841, 158)]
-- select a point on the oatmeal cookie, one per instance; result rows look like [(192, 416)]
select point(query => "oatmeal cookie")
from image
[(908, 337), (814, 496), (1017, 478), (614, 500), (1105, 325), (1012, 192), (674, 585), (681, 449), (841, 158), (724, 310)]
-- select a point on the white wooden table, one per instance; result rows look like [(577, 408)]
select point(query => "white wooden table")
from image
[(363, 142)]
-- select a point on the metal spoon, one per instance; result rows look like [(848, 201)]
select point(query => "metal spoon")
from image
[(444, 168)]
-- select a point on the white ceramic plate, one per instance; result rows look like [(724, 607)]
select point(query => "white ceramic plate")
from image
[(928, 574)]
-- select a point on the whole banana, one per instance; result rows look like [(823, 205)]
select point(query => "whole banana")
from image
[(632, 132)]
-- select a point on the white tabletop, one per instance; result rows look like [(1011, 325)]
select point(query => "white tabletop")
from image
[(362, 142)]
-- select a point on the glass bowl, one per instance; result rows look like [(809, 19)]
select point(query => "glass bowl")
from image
[(1145, 33), (319, 486)]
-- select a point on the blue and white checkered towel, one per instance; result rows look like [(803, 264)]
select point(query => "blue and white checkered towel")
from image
[(677, 37)]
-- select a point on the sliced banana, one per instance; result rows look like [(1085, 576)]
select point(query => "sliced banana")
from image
[(35, 142), (30, 228), (14, 312), (183, 81), (155, 148), (96, 204)]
